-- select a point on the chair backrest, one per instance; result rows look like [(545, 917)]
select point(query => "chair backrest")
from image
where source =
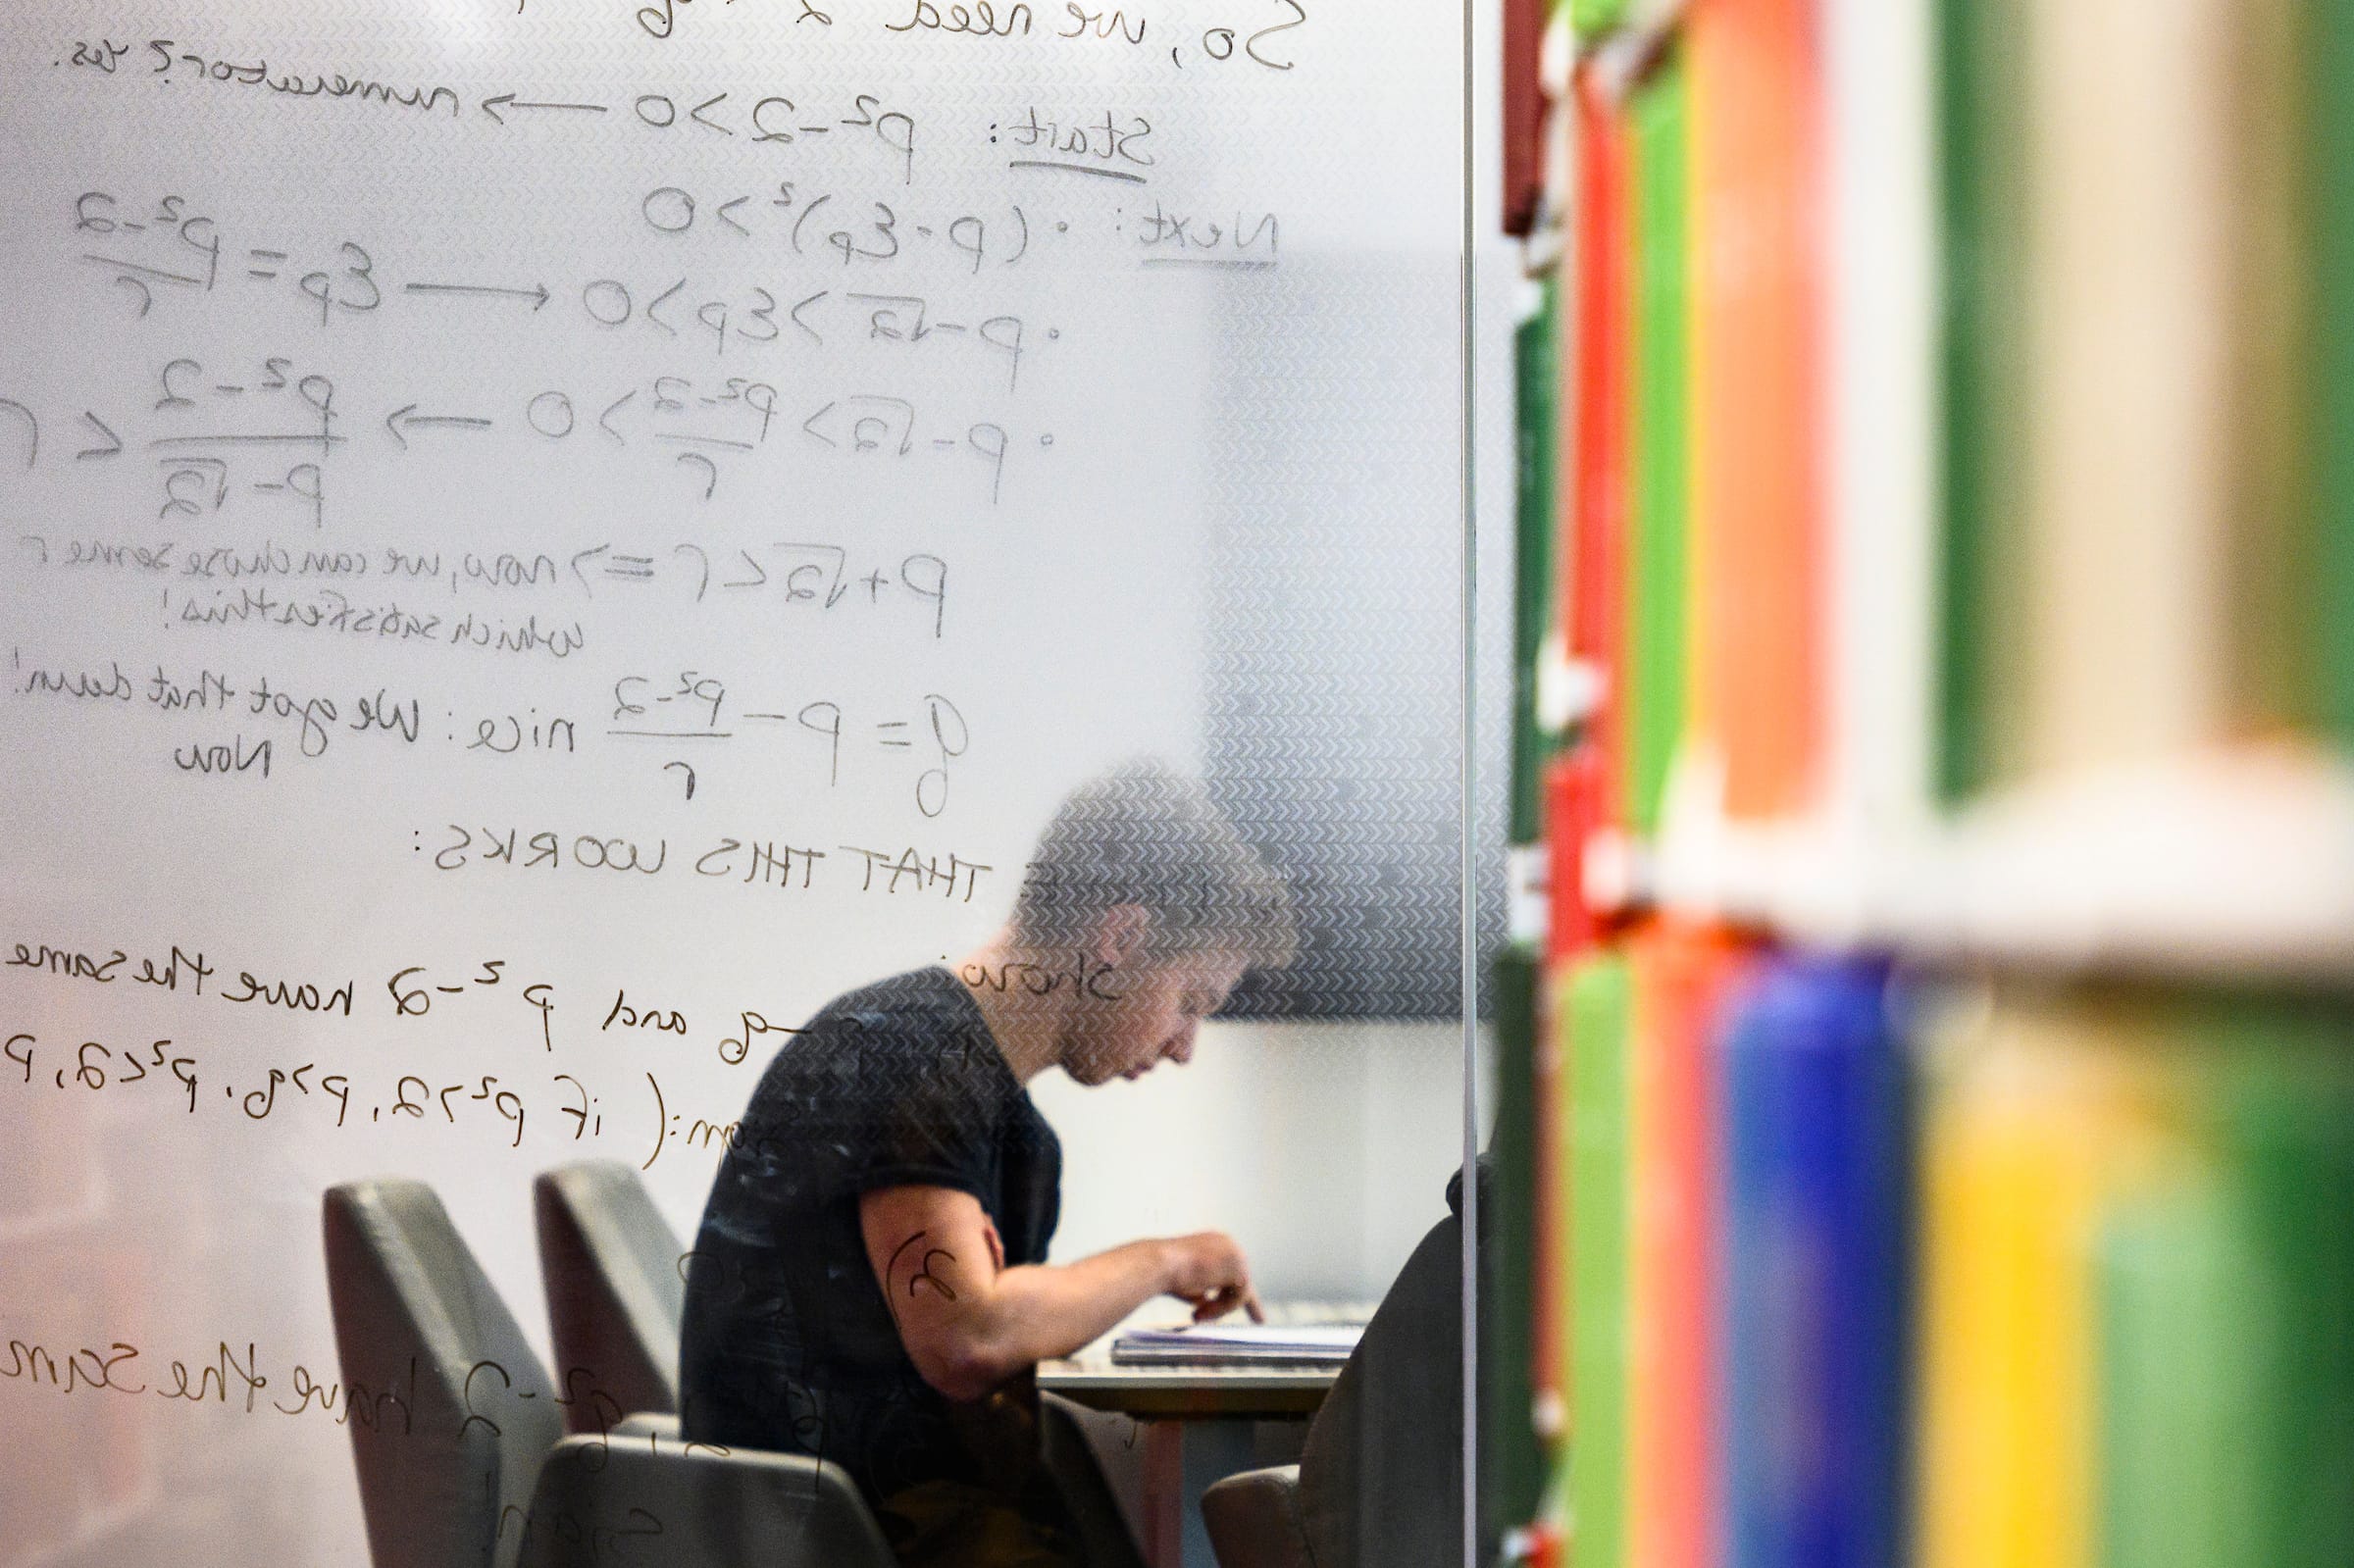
[(610, 1266), (450, 1413), (1381, 1478), (656, 1501)]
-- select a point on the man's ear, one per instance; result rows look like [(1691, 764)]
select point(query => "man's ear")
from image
[(1121, 934)]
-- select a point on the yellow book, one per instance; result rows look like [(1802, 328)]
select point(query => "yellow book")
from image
[(2038, 1114)]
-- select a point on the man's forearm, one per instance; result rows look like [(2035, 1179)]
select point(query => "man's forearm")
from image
[(1039, 1311)]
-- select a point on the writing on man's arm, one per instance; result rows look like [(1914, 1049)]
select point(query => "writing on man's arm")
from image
[(920, 1269), (938, 1257)]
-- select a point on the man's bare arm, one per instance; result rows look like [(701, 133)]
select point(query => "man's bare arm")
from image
[(969, 1321)]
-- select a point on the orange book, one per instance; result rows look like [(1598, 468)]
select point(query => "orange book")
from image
[(1758, 482), (1682, 974)]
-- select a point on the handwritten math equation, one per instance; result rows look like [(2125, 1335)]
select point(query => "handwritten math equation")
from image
[(170, 251), (689, 706), (261, 438), (497, 1106), (1246, 37)]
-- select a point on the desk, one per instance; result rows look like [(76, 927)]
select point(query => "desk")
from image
[(1194, 1422)]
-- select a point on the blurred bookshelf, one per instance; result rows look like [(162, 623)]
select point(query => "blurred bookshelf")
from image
[(2234, 868), (1926, 1089)]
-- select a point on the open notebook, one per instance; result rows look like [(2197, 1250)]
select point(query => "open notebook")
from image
[(1312, 1343)]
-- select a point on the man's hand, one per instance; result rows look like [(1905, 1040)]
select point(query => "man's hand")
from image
[(1207, 1270)]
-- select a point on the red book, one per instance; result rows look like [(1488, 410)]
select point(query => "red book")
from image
[(1523, 114), (1573, 786), (1597, 410), (1597, 477), (1582, 787)]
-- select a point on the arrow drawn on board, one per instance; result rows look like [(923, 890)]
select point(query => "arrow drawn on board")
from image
[(405, 417), (619, 404), (99, 424), (804, 326), (537, 295), (759, 573), (491, 105), (653, 319)]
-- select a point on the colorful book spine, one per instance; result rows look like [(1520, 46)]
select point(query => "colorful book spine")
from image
[(2130, 208), (2286, 1114), (1598, 1007), (1681, 976), (1536, 426), (2274, 669), (1514, 1294), (2324, 177), (2180, 1380), (1583, 785), (1978, 159), (1757, 234), (1660, 463), (1816, 1193), (2036, 1120), (1593, 589), (1522, 194)]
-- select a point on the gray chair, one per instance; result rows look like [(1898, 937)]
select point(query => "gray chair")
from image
[(615, 1296), (450, 1413), (645, 1498), (1094, 1513), (610, 1266), (1379, 1484), (455, 1432)]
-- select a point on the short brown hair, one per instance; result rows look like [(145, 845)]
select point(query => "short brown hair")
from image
[(1146, 834)]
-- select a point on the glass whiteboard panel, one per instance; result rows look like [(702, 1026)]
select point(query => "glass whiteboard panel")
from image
[(547, 540)]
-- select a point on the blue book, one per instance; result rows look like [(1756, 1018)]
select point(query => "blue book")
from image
[(1816, 1269)]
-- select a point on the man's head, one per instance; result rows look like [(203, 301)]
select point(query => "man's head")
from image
[(1142, 877)]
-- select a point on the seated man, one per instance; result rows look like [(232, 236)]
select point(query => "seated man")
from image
[(869, 1284)]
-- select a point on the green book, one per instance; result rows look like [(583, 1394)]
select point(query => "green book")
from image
[(1590, 19), (1512, 1458), (2179, 1396), (1981, 188), (2287, 1130), (1537, 421), (2328, 48), (2275, 675), (1660, 519), (1598, 1014)]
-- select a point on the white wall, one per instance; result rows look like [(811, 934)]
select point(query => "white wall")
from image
[(1324, 1149)]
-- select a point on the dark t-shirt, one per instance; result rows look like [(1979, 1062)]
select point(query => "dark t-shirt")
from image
[(787, 1342)]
